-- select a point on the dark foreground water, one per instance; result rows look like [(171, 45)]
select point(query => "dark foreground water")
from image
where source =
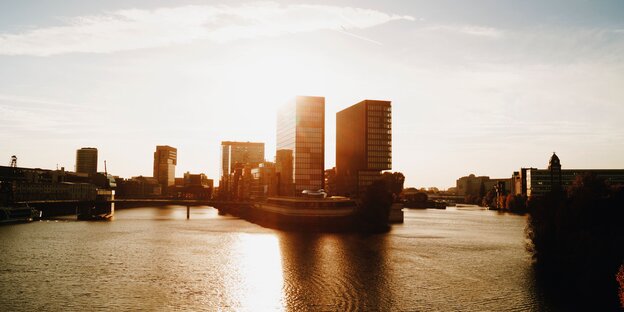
[(155, 259)]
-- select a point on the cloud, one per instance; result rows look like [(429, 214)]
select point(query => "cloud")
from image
[(471, 30), (137, 29)]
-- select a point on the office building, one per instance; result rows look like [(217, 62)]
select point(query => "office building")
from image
[(363, 145), (87, 160), (165, 160), (240, 152), (538, 182), (300, 155), (478, 186)]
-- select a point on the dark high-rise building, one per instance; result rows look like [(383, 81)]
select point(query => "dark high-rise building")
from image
[(165, 160), (240, 152), (300, 155), (363, 145), (87, 160)]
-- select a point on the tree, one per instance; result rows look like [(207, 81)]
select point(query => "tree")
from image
[(577, 239), (394, 182)]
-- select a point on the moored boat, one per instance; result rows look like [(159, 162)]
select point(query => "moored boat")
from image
[(18, 214)]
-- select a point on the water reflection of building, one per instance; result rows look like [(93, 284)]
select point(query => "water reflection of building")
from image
[(363, 145), (300, 155), (538, 182), (165, 160), (87, 160)]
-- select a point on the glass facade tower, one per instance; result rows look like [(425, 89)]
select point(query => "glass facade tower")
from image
[(363, 145), (300, 155), (165, 160)]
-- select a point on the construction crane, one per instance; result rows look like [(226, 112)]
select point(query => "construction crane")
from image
[(13, 161)]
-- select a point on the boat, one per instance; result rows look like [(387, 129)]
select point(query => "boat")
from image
[(309, 206), (95, 213), (304, 213), (18, 214)]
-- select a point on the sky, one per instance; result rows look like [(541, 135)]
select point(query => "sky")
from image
[(483, 87)]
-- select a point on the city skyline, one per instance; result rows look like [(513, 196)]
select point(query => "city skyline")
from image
[(472, 92)]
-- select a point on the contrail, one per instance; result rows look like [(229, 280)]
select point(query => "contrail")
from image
[(344, 31)]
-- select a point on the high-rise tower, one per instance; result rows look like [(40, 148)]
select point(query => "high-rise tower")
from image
[(165, 160), (300, 155), (87, 160), (363, 145)]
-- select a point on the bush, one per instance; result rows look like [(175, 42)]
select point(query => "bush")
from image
[(578, 239)]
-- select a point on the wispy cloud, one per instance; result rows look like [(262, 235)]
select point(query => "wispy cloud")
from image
[(472, 30), (137, 29)]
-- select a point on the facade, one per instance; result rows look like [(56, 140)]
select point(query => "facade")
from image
[(29, 184), (264, 182), (139, 187), (538, 182), (165, 160), (363, 145), (240, 152), (479, 185), (300, 155), (234, 157), (87, 160)]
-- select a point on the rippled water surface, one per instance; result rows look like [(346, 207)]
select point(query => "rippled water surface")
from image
[(155, 259)]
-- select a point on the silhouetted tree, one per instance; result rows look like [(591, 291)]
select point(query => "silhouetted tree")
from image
[(515, 203), (578, 240), (620, 279), (394, 182), (489, 200)]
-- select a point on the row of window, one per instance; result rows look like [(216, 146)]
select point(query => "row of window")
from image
[(309, 150), (386, 137), (379, 119), (379, 148), (308, 144), (300, 171), (379, 108), (378, 125), (310, 129), (380, 154), (379, 113), (379, 142), (376, 130)]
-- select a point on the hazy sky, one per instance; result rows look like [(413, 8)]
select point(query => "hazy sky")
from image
[(482, 87)]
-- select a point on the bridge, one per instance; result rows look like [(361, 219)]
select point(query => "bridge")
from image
[(68, 207)]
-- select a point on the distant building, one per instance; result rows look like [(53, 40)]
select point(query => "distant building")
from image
[(264, 182), (300, 155), (538, 182), (237, 155), (87, 160), (479, 185), (165, 160), (240, 152), (331, 188), (363, 145), (138, 187), (28, 184)]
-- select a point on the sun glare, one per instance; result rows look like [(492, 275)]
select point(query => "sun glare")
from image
[(259, 282)]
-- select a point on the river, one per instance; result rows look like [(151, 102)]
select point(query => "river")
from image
[(154, 259)]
